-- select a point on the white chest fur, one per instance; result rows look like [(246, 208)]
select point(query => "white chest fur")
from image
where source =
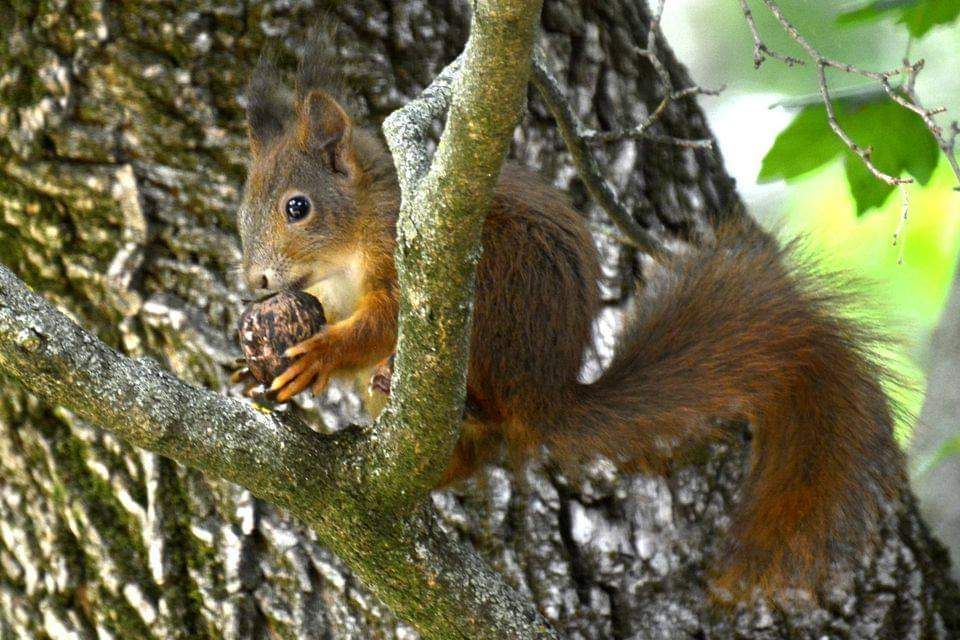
[(339, 293), (339, 290)]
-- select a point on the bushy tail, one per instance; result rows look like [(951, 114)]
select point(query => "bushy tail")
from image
[(736, 332)]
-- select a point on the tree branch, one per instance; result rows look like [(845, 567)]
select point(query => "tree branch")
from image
[(670, 94), (407, 128), (438, 239), (599, 189), (905, 95), (362, 492), (576, 136), (439, 585), (760, 50)]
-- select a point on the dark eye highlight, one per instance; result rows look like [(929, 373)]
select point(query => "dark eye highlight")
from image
[(298, 208)]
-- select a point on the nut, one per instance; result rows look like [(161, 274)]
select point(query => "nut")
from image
[(270, 326)]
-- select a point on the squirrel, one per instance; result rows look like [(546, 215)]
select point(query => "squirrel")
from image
[(736, 331)]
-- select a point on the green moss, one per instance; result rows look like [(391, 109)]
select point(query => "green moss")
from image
[(183, 553), (76, 485)]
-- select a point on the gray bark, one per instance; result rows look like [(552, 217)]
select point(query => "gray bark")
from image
[(122, 154), (936, 478)]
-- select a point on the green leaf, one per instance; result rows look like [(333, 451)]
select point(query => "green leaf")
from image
[(901, 144), (920, 16), (872, 11), (867, 190), (876, 10), (899, 140), (806, 144), (924, 16)]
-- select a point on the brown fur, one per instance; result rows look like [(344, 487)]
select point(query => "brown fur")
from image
[(734, 333)]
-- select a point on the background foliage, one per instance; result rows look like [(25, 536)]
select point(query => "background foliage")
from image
[(800, 179)]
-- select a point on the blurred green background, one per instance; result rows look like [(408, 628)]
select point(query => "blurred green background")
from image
[(770, 123)]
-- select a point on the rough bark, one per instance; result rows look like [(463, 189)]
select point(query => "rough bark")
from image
[(330, 482), (122, 154)]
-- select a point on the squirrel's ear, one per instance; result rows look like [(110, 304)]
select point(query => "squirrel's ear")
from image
[(269, 106), (323, 124)]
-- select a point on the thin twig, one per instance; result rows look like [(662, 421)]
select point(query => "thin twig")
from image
[(863, 152), (900, 233), (670, 95), (642, 130), (904, 95), (576, 136), (947, 145), (572, 132), (760, 50), (686, 143)]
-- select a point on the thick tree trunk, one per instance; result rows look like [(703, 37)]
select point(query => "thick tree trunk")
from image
[(122, 151)]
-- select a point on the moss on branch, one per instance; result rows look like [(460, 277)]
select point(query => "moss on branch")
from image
[(349, 487), (438, 238)]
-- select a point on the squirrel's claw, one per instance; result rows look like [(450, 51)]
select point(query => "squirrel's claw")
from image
[(243, 376), (311, 369), (320, 384), (291, 373)]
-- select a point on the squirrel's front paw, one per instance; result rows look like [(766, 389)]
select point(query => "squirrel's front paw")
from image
[(245, 377), (312, 368)]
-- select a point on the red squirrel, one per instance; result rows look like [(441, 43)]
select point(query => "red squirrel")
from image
[(734, 332)]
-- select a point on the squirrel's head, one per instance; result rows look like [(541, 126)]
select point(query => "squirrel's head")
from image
[(311, 180)]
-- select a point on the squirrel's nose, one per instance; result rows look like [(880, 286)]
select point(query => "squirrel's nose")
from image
[(264, 279)]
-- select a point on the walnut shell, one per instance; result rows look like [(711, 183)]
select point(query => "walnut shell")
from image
[(270, 326)]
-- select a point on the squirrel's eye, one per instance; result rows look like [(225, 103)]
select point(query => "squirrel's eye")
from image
[(298, 208)]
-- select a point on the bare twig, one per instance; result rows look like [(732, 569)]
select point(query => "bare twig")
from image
[(670, 95), (900, 233), (863, 152), (642, 129), (760, 50), (599, 189), (686, 143), (576, 136), (905, 95), (947, 145)]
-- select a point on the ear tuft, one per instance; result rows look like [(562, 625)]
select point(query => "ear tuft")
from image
[(269, 105), (322, 124), (320, 66)]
